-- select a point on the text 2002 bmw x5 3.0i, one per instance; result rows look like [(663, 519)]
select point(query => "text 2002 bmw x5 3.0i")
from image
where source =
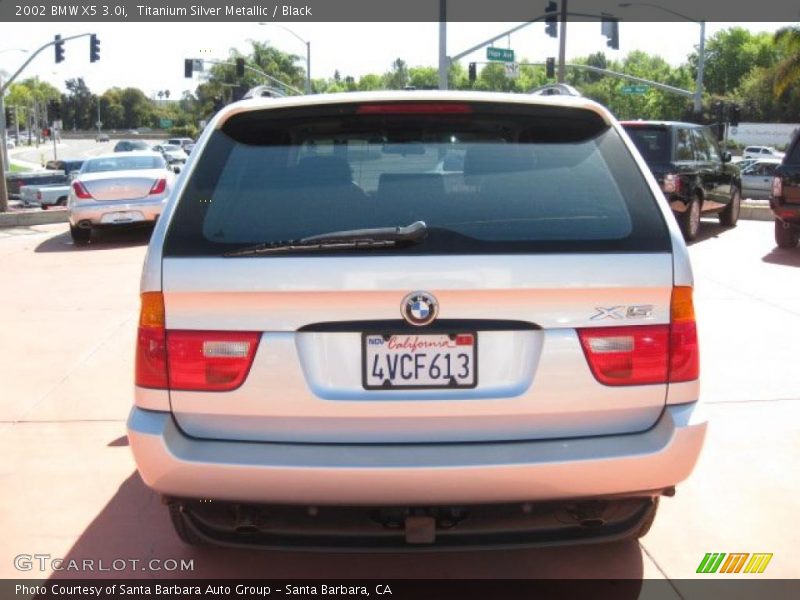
[(388, 319)]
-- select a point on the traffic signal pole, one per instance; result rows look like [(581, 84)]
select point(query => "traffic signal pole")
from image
[(562, 44)]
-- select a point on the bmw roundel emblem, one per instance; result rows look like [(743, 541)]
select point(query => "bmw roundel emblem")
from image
[(419, 308)]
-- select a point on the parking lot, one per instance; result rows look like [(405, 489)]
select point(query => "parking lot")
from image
[(69, 319)]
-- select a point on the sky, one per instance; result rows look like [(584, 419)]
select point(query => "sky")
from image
[(150, 55)]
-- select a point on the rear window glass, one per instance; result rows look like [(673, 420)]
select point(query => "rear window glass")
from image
[(652, 143), (123, 163), (793, 156), (488, 178)]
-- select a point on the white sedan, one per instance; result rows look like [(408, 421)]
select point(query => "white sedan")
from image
[(112, 190)]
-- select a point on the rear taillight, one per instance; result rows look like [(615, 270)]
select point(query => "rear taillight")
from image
[(684, 361), (646, 354), (777, 187), (81, 191), (634, 355), (151, 348), (672, 183), (211, 361), (158, 187)]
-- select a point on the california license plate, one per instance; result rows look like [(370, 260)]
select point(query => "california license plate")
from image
[(130, 216), (401, 360)]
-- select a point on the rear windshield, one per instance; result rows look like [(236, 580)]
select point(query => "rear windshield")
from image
[(122, 163), (483, 177), (793, 155), (652, 142)]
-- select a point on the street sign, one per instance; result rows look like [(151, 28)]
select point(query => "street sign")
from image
[(58, 124), (512, 70), (165, 123), (99, 124), (635, 89), (501, 54)]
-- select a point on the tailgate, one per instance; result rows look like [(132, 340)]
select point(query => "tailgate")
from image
[(306, 383)]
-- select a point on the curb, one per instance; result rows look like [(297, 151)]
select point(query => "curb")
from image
[(26, 219), (751, 211)]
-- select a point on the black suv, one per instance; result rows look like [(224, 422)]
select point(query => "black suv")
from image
[(695, 176), (785, 197)]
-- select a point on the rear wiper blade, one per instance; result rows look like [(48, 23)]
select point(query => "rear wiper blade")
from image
[(379, 237)]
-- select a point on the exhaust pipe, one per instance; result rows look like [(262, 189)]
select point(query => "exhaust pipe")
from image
[(589, 514)]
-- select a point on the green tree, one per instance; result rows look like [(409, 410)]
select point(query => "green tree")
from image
[(397, 78), (787, 71), (423, 78), (730, 55), (370, 82), (76, 105)]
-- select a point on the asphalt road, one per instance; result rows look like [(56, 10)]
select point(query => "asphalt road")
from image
[(68, 148), (70, 489)]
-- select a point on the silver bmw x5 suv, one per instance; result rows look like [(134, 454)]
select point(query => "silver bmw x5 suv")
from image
[(417, 318)]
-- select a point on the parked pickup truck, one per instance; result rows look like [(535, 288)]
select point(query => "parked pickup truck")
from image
[(44, 195), (15, 181)]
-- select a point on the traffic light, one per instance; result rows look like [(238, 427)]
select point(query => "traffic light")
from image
[(733, 119), (188, 68), (94, 48), (9, 117), (609, 27), (551, 21), (550, 67), (473, 71), (59, 46), (240, 67)]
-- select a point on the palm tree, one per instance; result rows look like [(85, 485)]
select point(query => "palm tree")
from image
[(787, 71)]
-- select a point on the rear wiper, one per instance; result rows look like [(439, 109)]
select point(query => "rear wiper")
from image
[(379, 237)]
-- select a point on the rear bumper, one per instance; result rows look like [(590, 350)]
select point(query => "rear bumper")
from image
[(415, 474), (93, 212)]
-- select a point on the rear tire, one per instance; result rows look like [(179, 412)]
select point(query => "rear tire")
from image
[(785, 237), (690, 220), (62, 201), (44, 206), (185, 533), (80, 237), (730, 215)]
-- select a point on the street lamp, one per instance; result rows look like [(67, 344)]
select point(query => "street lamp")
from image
[(698, 93), (308, 53)]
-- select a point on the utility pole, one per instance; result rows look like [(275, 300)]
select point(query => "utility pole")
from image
[(444, 62), (562, 44), (701, 60)]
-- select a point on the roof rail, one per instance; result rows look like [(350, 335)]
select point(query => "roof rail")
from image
[(556, 89), (264, 91)]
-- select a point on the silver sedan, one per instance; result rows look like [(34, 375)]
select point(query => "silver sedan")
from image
[(757, 178), (118, 189)]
